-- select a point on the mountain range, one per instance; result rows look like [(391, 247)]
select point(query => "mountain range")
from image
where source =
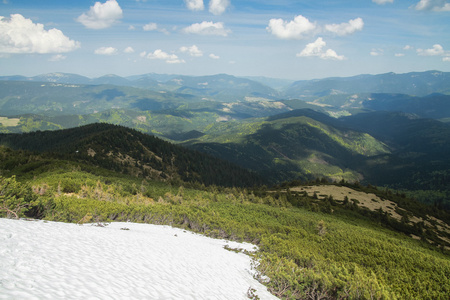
[(388, 129)]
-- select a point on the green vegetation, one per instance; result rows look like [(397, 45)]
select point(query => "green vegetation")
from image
[(306, 250), (310, 246)]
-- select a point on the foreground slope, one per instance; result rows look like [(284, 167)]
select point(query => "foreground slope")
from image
[(309, 248)]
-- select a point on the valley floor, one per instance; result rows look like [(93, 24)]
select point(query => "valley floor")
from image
[(50, 260)]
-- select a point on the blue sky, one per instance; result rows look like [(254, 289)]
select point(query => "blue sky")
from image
[(283, 39)]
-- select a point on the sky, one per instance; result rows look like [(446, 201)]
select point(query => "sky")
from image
[(291, 39)]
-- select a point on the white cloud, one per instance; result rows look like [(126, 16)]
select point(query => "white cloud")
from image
[(383, 1), (213, 56), (346, 28), (316, 49), (193, 51), (106, 51), (207, 28), (101, 16), (161, 55), (376, 52), (436, 50), (433, 5), (57, 57), (408, 47), (447, 58), (21, 35), (150, 27), (128, 50), (153, 27), (218, 7), (299, 28), (194, 4), (131, 27), (399, 54)]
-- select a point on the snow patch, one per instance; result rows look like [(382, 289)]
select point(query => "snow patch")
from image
[(50, 260)]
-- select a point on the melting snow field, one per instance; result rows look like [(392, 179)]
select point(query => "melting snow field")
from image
[(50, 260)]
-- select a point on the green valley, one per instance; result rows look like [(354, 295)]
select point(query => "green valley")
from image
[(342, 183)]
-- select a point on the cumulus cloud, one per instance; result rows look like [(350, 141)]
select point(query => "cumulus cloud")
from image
[(192, 50), (153, 27), (21, 35), (383, 1), (298, 28), (436, 50), (213, 56), (150, 27), (57, 57), (161, 55), (399, 54), (194, 4), (218, 7), (106, 51), (207, 28), (346, 28), (316, 49), (128, 50), (376, 52), (101, 16), (433, 5)]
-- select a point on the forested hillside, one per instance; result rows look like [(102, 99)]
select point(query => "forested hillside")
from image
[(131, 152)]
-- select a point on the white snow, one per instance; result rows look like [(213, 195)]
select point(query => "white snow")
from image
[(51, 260)]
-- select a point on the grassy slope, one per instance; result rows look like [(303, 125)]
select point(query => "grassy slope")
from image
[(305, 251)]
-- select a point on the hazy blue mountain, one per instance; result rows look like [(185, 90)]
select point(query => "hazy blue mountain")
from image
[(415, 83), (154, 76), (61, 78), (222, 87), (275, 83), (14, 78), (50, 98), (111, 79), (435, 106)]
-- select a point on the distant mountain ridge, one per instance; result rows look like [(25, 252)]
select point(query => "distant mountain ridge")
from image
[(228, 88), (220, 87), (414, 83)]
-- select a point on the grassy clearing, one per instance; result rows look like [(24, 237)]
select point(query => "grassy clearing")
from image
[(9, 122)]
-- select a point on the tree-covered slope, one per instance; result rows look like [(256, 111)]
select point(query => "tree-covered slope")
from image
[(298, 144), (132, 152), (420, 156)]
